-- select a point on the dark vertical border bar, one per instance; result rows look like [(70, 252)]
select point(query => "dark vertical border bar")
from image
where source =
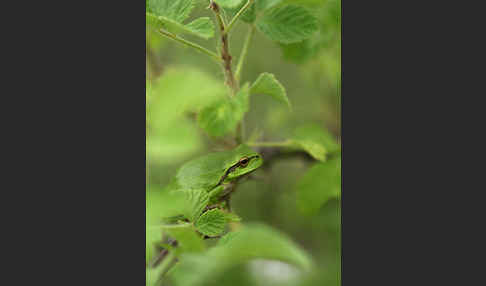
[(79, 209)]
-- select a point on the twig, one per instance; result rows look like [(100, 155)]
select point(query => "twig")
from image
[(238, 14), (225, 54), (172, 36), (244, 52)]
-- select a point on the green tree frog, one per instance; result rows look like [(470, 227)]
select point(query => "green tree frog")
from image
[(212, 172)]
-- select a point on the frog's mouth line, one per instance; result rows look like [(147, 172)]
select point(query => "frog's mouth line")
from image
[(232, 168)]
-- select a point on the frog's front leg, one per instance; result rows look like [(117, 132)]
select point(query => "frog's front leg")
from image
[(218, 195), (215, 192)]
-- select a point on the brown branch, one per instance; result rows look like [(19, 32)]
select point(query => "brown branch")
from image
[(225, 54), (163, 253)]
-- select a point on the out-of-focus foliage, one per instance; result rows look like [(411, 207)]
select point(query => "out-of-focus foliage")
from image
[(252, 241), (287, 24), (267, 84), (170, 14), (289, 230), (222, 117), (321, 183)]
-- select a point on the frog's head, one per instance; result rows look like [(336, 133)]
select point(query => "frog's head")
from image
[(245, 160)]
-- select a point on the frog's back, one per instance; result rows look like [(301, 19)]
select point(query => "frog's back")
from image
[(201, 173), (205, 172)]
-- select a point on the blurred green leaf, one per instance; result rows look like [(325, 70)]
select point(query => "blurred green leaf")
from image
[(153, 38), (177, 10), (171, 100), (267, 84), (173, 96), (165, 145), (232, 217), (152, 235), (170, 14), (314, 140), (187, 239), (211, 223), (160, 204), (227, 237), (305, 2), (148, 91), (266, 4), (299, 52), (287, 24), (315, 133), (218, 119), (316, 150), (153, 21), (153, 276), (229, 3), (251, 242), (223, 116), (321, 183)]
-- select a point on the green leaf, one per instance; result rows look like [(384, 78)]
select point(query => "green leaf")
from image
[(229, 3), (168, 144), (266, 4), (218, 119), (321, 183), (148, 91), (177, 10), (153, 21), (202, 27), (299, 52), (198, 200), (267, 84), (315, 133), (232, 217), (223, 116), (187, 238), (315, 141), (161, 204), (170, 14), (306, 2), (153, 275), (227, 237), (249, 16), (152, 235), (171, 98), (212, 222), (251, 242), (316, 150), (287, 24)]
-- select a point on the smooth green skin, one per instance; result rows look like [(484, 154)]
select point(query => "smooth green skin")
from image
[(206, 172)]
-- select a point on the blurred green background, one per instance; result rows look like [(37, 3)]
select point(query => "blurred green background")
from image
[(310, 72)]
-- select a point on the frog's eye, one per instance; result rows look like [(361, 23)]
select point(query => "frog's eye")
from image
[(244, 162)]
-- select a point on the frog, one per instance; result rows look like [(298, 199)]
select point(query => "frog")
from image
[(215, 172)]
